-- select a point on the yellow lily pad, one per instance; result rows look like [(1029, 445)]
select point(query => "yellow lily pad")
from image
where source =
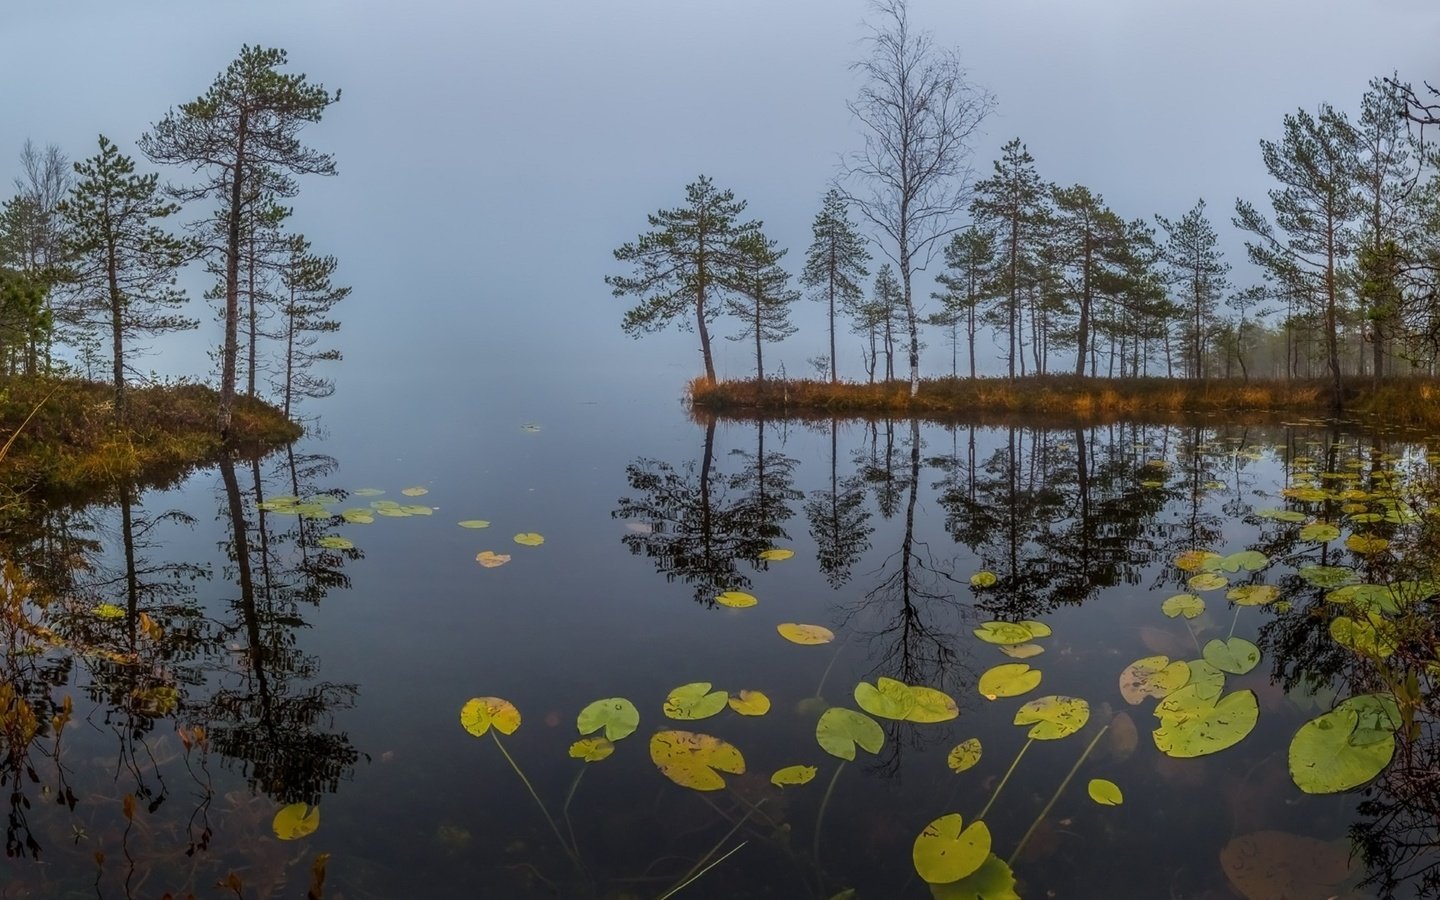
[(805, 634), (1207, 581), (1021, 651), (416, 491), (1008, 680), (694, 701), (296, 821), (490, 559), (983, 580), (480, 713), (529, 539), (964, 755), (1366, 544), (749, 703), (793, 775), (1105, 793), (1053, 717), (945, 851), (776, 554), (474, 523), (1153, 676), (736, 599), (109, 611), (695, 760), (1195, 560), (1187, 605)]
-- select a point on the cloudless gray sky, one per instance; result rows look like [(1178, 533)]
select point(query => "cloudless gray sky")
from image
[(492, 155)]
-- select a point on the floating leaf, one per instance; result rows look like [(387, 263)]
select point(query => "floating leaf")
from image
[(1021, 651), (1008, 680), (931, 706), (1193, 725), (1207, 581), (416, 509), (336, 542), (1196, 560), (1245, 560), (367, 492), (1274, 865), (296, 821), (1319, 532), (736, 599), (480, 713), (992, 881), (394, 512), (946, 852), (474, 523), (358, 516), (1187, 605), (1366, 544), (694, 701), (1011, 632), (616, 715), (1327, 576), (1105, 793), (887, 698), (840, 730), (529, 539), (749, 703), (695, 760), (1152, 676), (776, 554), (793, 775), (1373, 636), (1207, 680), (1253, 594), (109, 611), (415, 491), (1053, 717), (1325, 756), (983, 580), (805, 634), (964, 755), (1292, 516), (1234, 655), (490, 559), (591, 749)]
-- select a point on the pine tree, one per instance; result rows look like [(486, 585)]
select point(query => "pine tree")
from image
[(684, 264), (122, 263), (1011, 203), (969, 281), (1088, 243), (308, 298), (243, 135), (761, 295), (1197, 270), (835, 263), (883, 315)]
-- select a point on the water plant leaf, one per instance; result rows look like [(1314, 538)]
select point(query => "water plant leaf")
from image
[(1008, 680), (109, 611), (805, 634), (983, 580), (1207, 680), (793, 775), (1293, 516), (1105, 793), (367, 492), (336, 542), (736, 599), (1366, 544), (1021, 651), (490, 559), (1372, 636), (945, 851), (694, 701), (1153, 676), (416, 491), (616, 715), (295, 821), (1327, 576), (1245, 560), (887, 698), (479, 714), (992, 881), (1319, 532), (1253, 594), (591, 749), (1234, 655), (840, 730), (964, 755), (529, 539), (776, 554), (749, 703), (394, 512), (1325, 755), (1275, 865), (1207, 581), (1187, 605), (474, 523), (1196, 560), (695, 760), (1053, 717), (417, 509), (931, 706), (1011, 632), (358, 516), (1193, 725)]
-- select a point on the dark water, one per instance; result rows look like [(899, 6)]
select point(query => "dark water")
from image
[(301, 673)]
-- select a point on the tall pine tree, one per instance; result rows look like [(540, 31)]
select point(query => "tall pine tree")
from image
[(835, 263)]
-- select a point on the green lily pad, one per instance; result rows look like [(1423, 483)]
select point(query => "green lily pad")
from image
[(1253, 594), (336, 542), (109, 611), (1011, 632), (384, 504), (1053, 717), (616, 715), (1234, 655), (983, 580), (1105, 793), (1327, 576), (367, 492), (964, 755), (1207, 581), (992, 881), (1008, 680), (1245, 560), (1187, 605), (931, 706), (945, 851), (358, 516), (1326, 758), (887, 698), (1207, 680), (474, 523), (1371, 635), (694, 701), (1153, 676), (1293, 516), (840, 730), (1319, 532), (793, 775), (1192, 725)]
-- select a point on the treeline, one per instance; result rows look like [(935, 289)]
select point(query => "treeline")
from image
[(1346, 248), (91, 257)]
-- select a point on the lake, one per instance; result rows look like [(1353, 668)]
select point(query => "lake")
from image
[(191, 659)]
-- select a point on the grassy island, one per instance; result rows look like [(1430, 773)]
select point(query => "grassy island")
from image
[(1399, 401), (73, 443)]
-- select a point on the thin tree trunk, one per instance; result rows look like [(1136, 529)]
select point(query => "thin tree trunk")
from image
[(232, 283)]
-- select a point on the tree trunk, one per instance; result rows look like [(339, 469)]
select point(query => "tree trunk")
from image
[(232, 284), (117, 333), (834, 377)]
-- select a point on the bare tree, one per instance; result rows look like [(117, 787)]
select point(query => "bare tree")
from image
[(919, 113)]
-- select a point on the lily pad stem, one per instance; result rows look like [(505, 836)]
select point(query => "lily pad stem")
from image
[(1193, 639), (1056, 796), (1001, 786), (677, 888), (569, 851), (1233, 622), (565, 810), (820, 816)]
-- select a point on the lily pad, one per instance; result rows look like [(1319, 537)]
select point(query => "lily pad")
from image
[(931, 706), (479, 714), (1244, 561), (1366, 544), (1370, 635), (887, 698), (592, 749), (1327, 576), (841, 730), (416, 491), (983, 580), (616, 715), (417, 509), (964, 755), (694, 701), (793, 775), (695, 760), (1274, 865), (336, 542), (1196, 560), (1253, 594), (529, 539), (295, 821), (367, 492), (992, 881), (805, 634), (1153, 676), (749, 703), (1207, 581), (1319, 532), (474, 523), (109, 611), (736, 599), (1292, 516), (1105, 793), (1234, 655), (357, 516), (1021, 651), (1193, 725), (1008, 680), (1053, 717), (1187, 605), (1011, 632), (776, 554), (946, 852), (490, 559), (393, 512)]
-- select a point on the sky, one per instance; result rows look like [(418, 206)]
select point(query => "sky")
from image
[(493, 155)]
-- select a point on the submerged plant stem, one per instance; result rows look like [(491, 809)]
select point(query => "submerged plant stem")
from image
[(1056, 796), (677, 888), (824, 676), (569, 851), (565, 810), (1001, 786), (1193, 639), (1233, 622), (820, 816)]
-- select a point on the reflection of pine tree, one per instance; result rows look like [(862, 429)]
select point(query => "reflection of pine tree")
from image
[(768, 480), (839, 521), (880, 467)]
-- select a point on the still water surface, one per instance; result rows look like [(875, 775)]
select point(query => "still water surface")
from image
[(269, 669)]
